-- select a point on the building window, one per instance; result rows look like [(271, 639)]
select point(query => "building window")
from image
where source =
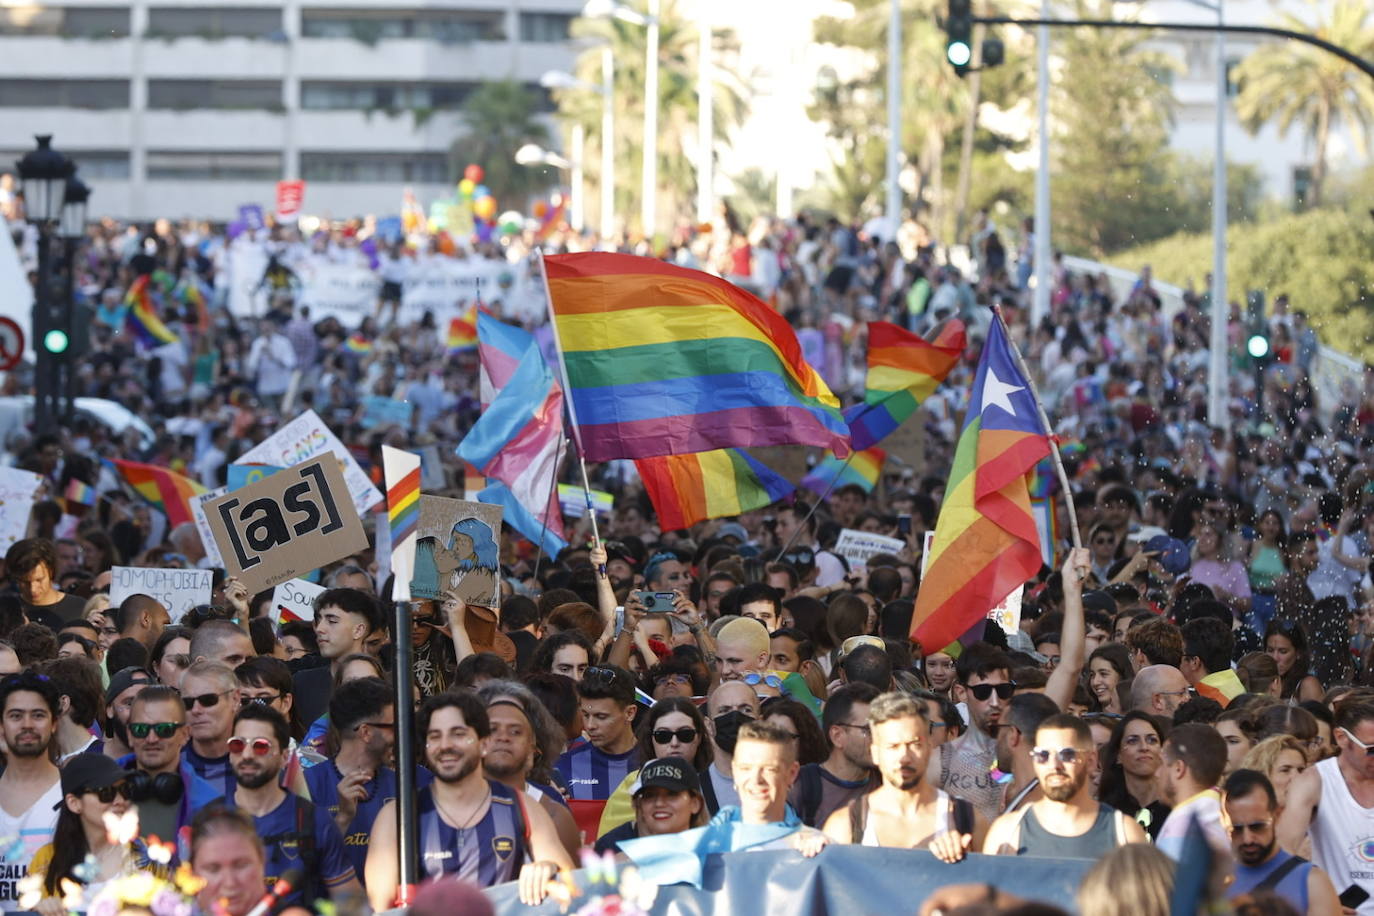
[(351, 96), (214, 22), (394, 168), (545, 27), (370, 26), (66, 22), (184, 95), (180, 165), (109, 165), (45, 93)]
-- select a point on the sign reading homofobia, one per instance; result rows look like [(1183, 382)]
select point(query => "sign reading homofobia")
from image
[(857, 546), (178, 590), (294, 600), (285, 525)]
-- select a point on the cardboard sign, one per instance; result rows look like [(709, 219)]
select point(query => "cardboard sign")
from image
[(239, 476), (1008, 612), (207, 537), (459, 548), (290, 197), (306, 437), (178, 590), (294, 600), (857, 546), (251, 216), (285, 525), (17, 490), (380, 411)]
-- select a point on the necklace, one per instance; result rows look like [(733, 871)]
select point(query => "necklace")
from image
[(461, 824)]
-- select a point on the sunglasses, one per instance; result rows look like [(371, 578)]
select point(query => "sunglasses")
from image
[(208, 700), (106, 794), (261, 746), (1065, 755), (1367, 748), (261, 701), (769, 680), (1256, 828), (599, 673), (685, 735), (161, 729), (673, 679), (982, 692)]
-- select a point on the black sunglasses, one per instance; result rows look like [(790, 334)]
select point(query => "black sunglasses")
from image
[(261, 701), (208, 700), (161, 729), (600, 673), (106, 794), (684, 735), (982, 691)]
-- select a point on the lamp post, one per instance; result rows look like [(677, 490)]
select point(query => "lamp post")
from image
[(706, 128), (72, 230), (557, 79), (534, 154), (893, 195), (43, 174), (596, 9)]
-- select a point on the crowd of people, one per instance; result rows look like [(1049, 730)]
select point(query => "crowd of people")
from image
[(1202, 661)]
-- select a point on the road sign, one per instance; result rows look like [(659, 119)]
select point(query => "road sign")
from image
[(11, 344)]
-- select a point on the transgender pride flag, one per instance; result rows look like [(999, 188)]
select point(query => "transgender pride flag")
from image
[(518, 440)]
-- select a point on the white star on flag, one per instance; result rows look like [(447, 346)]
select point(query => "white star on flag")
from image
[(997, 392)]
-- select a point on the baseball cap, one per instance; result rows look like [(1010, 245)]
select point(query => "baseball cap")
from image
[(1173, 553), (125, 678), (88, 772), (672, 773), (853, 642), (733, 530)]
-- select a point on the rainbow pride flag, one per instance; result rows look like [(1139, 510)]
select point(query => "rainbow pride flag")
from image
[(80, 493), (167, 491), (402, 472), (903, 370), (357, 343), (462, 332), (686, 489), (831, 472), (986, 542), (662, 360), (141, 319), (191, 292)]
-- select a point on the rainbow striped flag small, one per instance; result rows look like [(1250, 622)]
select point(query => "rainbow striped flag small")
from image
[(80, 493), (462, 332), (357, 343), (166, 491), (831, 473), (686, 489), (402, 471), (141, 320), (903, 370)]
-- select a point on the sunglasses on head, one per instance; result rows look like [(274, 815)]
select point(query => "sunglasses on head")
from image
[(981, 692), (207, 700), (261, 746), (106, 794), (1065, 755), (161, 729), (684, 735), (600, 674), (754, 679)]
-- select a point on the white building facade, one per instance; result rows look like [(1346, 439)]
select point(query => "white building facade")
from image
[(192, 109)]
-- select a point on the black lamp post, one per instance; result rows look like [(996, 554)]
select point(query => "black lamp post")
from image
[(76, 320), (43, 174)]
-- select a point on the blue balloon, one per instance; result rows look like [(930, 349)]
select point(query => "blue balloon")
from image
[(481, 191)]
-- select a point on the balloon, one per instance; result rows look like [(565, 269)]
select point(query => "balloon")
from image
[(485, 207), (510, 226), (466, 186), (541, 210), (474, 173), (481, 191), (484, 232)]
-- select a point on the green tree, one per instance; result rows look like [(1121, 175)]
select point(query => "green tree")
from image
[(1294, 83), (677, 105), (500, 118)]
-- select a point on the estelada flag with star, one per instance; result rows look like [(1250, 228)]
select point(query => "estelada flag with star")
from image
[(986, 544)]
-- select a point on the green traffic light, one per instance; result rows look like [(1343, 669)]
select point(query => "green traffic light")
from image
[(55, 341), (959, 53), (1257, 346)]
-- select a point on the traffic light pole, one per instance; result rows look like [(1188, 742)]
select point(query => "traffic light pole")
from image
[(45, 382)]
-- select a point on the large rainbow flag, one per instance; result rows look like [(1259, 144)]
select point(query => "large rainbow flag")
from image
[(141, 319), (662, 360), (986, 543), (863, 468), (167, 491), (686, 489), (903, 370)]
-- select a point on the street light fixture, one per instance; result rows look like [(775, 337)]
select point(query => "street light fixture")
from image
[(74, 201), (43, 175), (533, 154), (558, 79)]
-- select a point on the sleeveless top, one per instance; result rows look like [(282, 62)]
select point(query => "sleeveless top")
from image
[(1291, 887), (489, 852), (965, 772), (1342, 834), (870, 836), (1094, 843)]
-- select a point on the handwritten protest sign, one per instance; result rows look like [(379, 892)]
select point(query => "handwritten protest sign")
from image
[(458, 548), (178, 590), (207, 538), (857, 546), (306, 437), (285, 525), (17, 489), (294, 600), (380, 411)]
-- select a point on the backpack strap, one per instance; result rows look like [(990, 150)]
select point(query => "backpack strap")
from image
[(1278, 874), (811, 793), (305, 846)]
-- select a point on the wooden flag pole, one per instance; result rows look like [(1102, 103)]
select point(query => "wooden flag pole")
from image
[(815, 505), (1049, 431), (568, 399)]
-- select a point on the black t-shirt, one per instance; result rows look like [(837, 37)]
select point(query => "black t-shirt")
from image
[(64, 611), (612, 838)]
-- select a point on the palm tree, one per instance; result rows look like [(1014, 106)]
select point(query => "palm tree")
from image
[(1292, 82), (677, 101), (500, 118)]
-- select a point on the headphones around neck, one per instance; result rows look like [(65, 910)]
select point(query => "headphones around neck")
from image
[(166, 788)]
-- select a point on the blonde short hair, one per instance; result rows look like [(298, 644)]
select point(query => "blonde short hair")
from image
[(1265, 755), (747, 633), (1132, 880)]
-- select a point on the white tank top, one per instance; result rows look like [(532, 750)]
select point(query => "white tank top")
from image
[(941, 820), (23, 836), (1343, 835)]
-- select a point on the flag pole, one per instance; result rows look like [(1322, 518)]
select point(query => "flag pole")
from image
[(815, 505), (553, 486), (568, 399), (1049, 431)]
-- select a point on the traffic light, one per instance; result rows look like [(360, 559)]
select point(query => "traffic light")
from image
[(56, 341), (959, 32), (1257, 329)]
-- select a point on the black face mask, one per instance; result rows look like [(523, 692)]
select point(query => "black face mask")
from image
[(727, 728)]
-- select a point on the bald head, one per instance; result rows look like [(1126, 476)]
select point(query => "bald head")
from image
[(741, 647), (731, 696), (1159, 690)]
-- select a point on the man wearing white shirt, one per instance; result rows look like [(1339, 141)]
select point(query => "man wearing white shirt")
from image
[(271, 362)]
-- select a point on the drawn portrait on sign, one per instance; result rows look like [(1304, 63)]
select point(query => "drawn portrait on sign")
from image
[(458, 549)]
